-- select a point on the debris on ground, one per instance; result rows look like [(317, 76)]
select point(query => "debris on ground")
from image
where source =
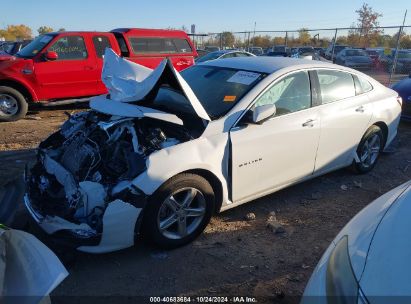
[(33, 118), (358, 184), (344, 187), (273, 224), (250, 216)]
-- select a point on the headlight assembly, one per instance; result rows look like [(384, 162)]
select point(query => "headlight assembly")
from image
[(341, 284)]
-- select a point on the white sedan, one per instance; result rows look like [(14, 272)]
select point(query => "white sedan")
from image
[(164, 151), (369, 260)]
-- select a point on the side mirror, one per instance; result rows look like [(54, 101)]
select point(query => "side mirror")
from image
[(262, 113), (51, 56)]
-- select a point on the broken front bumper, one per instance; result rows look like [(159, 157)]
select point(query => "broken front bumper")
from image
[(73, 238), (118, 221)]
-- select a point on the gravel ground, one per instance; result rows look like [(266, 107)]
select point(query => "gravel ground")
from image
[(234, 256)]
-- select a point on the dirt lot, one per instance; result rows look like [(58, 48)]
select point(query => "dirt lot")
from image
[(233, 256)]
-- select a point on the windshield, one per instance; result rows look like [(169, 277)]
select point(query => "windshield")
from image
[(355, 53), (218, 90), (209, 56), (34, 47)]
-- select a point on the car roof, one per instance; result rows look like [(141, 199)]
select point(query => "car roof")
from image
[(226, 52), (150, 32), (265, 64)]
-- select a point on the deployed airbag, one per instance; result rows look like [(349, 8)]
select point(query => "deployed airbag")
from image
[(29, 270), (127, 81)]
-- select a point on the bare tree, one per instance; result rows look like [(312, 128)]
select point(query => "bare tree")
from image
[(227, 39), (367, 22)]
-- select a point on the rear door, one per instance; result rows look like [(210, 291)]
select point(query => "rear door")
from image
[(345, 116), (73, 74)]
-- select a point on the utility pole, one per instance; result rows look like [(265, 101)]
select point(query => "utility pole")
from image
[(286, 39), (396, 48), (334, 42), (255, 25)]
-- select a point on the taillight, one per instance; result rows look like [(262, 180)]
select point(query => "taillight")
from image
[(399, 100)]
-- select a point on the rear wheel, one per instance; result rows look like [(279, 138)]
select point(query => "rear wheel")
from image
[(13, 105), (178, 211), (369, 150)]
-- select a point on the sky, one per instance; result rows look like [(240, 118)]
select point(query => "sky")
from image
[(208, 15)]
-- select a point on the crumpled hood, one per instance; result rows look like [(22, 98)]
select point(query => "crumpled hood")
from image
[(128, 83), (388, 267)]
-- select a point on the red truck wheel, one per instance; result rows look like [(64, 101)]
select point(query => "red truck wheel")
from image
[(13, 105)]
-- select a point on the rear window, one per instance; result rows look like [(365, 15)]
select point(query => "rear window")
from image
[(144, 45), (361, 85)]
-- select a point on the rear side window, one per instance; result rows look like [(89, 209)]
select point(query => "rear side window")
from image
[(122, 44), (100, 44), (335, 85), (242, 55), (70, 48), (182, 45), (229, 55), (143, 45), (361, 85)]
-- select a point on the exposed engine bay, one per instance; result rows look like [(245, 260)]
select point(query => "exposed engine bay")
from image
[(79, 165)]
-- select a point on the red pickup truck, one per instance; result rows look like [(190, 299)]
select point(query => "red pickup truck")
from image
[(66, 66)]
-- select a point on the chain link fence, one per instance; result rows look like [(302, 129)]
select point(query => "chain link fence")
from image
[(381, 52)]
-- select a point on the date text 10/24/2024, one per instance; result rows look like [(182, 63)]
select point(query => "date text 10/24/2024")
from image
[(203, 299)]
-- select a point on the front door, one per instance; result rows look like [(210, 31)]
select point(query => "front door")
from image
[(280, 150), (73, 74)]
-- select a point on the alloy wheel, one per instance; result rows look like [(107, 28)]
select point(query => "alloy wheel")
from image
[(370, 151), (181, 213)]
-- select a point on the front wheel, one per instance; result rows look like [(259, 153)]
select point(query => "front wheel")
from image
[(178, 211), (13, 105), (369, 150)]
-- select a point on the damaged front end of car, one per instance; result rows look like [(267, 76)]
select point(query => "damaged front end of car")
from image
[(74, 190), (79, 190)]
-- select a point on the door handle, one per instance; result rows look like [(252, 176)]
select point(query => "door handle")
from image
[(360, 109), (309, 123), (88, 68)]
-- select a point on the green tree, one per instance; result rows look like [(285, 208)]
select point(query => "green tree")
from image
[(62, 29), (44, 30)]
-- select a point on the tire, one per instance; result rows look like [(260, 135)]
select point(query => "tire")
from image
[(13, 105), (369, 150), (166, 208)]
